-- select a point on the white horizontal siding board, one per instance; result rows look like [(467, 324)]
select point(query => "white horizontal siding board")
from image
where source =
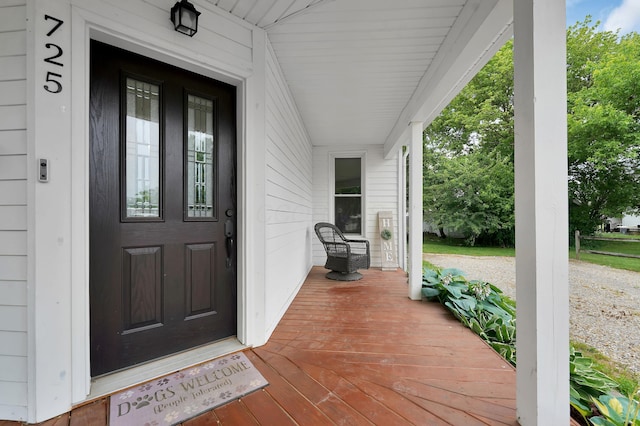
[(13, 92), (295, 206), (285, 135), (8, 3), (12, 218), (13, 394), (288, 161), (281, 130), (276, 79), (13, 318), (14, 343), (13, 117), (13, 142), (13, 18), (13, 67), (286, 174), (13, 268), (13, 192), (13, 243), (13, 167), (13, 43), (14, 368), (14, 293)]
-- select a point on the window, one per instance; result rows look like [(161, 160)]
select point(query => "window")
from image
[(348, 195)]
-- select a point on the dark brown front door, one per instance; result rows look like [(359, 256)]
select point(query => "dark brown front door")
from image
[(162, 209)]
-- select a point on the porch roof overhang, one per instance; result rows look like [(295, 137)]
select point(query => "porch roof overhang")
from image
[(361, 70)]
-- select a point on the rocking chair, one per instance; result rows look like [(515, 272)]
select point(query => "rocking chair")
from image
[(344, 257)]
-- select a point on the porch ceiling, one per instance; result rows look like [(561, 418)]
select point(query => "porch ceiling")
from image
[(361, 70)]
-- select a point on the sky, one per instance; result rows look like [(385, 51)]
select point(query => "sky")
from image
[(612, 14)]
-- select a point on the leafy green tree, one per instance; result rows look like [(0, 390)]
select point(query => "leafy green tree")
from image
[(603, 131), (469, 158), (469, 147)]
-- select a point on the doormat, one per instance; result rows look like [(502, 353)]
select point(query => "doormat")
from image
[(179, 396)]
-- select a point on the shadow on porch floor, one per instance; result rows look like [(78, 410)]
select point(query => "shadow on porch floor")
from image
[(363, 353)]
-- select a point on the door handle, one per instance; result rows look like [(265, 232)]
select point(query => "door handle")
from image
[(229, 243)]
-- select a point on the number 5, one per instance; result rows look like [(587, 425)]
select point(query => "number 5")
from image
[(58, 86)]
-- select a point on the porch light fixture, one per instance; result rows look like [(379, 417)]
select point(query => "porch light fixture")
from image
[(185, 18)]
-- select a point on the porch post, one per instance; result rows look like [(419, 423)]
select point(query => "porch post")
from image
[(415, 211), (541, 212)]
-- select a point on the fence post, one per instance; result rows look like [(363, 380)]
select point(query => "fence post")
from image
[(577, 245)]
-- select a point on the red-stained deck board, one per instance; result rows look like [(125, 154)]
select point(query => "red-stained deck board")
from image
[(362, 353)]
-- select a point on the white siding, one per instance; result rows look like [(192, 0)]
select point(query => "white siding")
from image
[(13, 211), (288, 195), (381, 193)]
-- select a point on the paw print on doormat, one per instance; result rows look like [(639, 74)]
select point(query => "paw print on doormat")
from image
[(209, 366), (225, 395), (126, 395), (142, 401), (190, 409), (235, 357), (163, 382), (170, 417), (223, 361), (144, 388), (194, 372), (209, 401), (179, 376), (242, 388), (151, 423)]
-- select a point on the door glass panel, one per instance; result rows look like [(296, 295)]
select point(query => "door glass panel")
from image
[(200, 145), (142, 149)]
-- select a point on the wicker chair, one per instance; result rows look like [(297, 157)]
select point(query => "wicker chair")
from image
[(344, 257)]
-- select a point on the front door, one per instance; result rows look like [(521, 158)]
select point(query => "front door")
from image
[(162, 209)]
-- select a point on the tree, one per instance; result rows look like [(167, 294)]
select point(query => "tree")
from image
[(469, 158), (473, 139), (603, 124)]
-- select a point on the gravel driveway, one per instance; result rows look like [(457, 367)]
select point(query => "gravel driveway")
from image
[(605, 302)]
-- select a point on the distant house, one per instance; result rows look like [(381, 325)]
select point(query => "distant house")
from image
[(154, 185)]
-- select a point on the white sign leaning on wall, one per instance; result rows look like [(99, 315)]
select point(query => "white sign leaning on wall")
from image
[(387, 241)]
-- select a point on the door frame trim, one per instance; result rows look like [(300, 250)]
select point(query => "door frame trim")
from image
[(87, 25)]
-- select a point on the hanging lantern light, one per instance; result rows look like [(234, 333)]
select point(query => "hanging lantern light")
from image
[(185, 18)]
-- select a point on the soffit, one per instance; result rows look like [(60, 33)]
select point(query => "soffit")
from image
[(353, 66)]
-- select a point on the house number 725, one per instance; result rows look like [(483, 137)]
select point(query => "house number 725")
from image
[(52, 79)]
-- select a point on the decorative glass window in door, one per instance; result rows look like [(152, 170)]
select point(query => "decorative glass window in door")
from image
[(142, 150), (199, 162)]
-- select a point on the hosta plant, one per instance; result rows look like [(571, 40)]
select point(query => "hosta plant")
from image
[(586, 383), (616, 411)]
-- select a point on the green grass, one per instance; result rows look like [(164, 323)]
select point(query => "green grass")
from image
[(627, 263), (433, 244)]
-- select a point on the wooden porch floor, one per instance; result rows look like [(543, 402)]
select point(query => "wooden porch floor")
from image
[(362, 353)]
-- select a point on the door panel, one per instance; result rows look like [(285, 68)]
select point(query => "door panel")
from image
[(162, 164)]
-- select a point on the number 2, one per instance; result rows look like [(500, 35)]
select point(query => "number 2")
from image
[(50, 59)]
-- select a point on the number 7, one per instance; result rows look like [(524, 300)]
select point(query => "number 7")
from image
[(59, 22)]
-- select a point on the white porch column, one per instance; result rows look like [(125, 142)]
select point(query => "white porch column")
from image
[(415, 211), (541, 212)]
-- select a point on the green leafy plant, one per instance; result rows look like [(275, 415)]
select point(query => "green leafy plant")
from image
[(586, 383), (616, 411), (478, 305), (484, 309)]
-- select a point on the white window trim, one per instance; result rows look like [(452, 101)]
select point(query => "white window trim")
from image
[(363, 195)]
